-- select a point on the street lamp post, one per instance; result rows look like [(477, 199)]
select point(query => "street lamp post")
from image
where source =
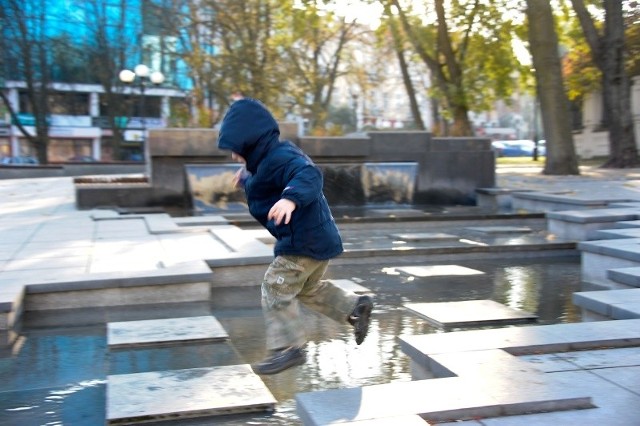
[(145, 76)]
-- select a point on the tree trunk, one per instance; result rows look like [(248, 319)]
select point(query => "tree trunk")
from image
[(554, 105), (617, 91), (608, 54), (406, 77)]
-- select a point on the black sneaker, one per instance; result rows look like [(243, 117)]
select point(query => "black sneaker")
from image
[(280, 360), (359, 318)]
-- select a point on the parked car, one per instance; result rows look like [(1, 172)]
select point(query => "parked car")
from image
[(21, 159), (518, 148)]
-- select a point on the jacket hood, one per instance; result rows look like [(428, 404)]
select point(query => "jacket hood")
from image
[(248, 129)]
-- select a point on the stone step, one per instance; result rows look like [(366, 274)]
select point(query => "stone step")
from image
[(132, 334), (183, 282), (470, 313), (598, 257), (581, 225), (182, 394), (608, 304), (610, 234), (535, 201), (626, 276), (438, 400), (425, 236), (499, 230)]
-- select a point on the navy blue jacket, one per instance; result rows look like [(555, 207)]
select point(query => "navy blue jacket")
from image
[(279, 169)]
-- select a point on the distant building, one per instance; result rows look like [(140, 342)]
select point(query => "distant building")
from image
[(74, 34)]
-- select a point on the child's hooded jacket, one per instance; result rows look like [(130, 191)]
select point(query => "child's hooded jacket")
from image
[(280, 170)]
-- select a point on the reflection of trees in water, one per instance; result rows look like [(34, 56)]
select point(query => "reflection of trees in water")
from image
[(541, 289), (342, 184), (389, 183), (216, 189)]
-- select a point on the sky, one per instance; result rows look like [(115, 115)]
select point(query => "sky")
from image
[(366, 14)]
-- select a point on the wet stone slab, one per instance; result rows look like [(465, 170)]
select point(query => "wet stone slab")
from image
[(164, 332), (470, 313), (349, 285), (188, 393), (425, 236), (437, 270), (496, 230)]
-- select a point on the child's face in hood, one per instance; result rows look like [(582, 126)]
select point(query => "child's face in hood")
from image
[(247, 129)]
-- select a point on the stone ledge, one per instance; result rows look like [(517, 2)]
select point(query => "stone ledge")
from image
[(594, 215), (499, 191), (567, 198), (610, 234), (627, 276), (182, 394), (188, 272), (603, 302), (466, 396), (626, 248), (525, 340), (628, 224)]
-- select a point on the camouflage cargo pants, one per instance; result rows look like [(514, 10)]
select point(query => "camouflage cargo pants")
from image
[(293, 279)]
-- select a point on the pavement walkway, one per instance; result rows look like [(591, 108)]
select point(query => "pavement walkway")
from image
[(42, 234)]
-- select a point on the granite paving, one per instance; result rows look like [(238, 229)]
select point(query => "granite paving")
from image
[(46, 241)]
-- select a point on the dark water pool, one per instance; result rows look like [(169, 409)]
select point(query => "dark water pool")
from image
[(58, 375)]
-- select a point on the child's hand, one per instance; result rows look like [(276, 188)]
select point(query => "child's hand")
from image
[(282, 210)]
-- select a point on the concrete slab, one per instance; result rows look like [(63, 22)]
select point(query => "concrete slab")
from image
[(165, 331), (627, 276), (201, 221), (470, 313), (627, 310), (614, 406), (436, 270), (610, 234), (425, 236), (603, 358), (410, 420), (499, 229), (525, 340), (189, 393), (602, 302), (594, 215), (243, 248), (627, 377), (628, 224), (448, 399), (165, 224), (351, 286)]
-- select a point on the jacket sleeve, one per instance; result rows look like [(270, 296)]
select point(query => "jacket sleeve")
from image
[(303, 181)]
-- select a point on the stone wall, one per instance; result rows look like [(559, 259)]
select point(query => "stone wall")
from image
[(449, 169)]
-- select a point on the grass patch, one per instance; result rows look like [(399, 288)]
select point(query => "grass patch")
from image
[(529, 162), (519, 161)]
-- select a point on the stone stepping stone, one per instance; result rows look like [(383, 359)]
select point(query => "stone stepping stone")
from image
[(437, 270), (164, 332), (470, 313), (351, 286), (425, 236), (188, 393), (499, 229)]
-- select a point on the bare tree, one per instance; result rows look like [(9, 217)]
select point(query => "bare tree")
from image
[(106, 52), (24, 24), (608, 53), (316, 48), (398, 43)]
